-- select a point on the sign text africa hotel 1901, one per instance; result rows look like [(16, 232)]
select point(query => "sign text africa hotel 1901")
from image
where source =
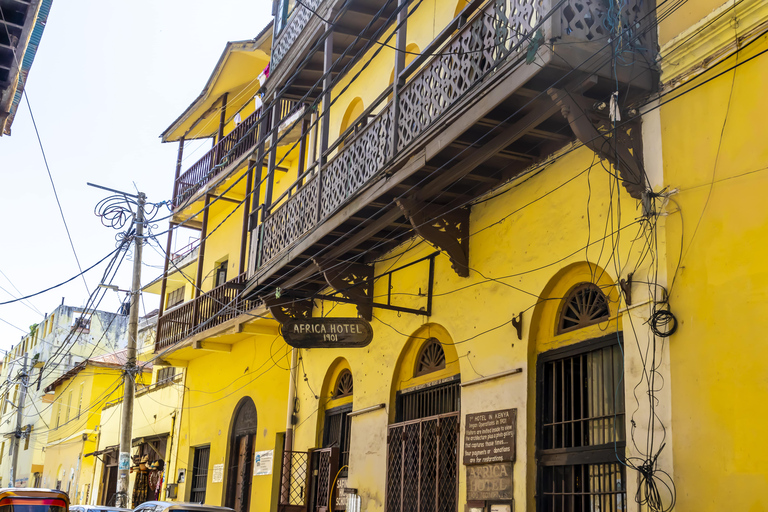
[(327, 332)]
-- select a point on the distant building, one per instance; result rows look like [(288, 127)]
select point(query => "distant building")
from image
[(21, 28), (66, 337)]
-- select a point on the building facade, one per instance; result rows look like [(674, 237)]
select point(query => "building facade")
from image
[(62, 340), (546, 216)]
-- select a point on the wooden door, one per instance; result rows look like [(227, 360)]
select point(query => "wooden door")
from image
[(242, 474)]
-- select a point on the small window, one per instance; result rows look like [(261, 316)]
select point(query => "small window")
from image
[(343, 385), (585, 305), (82, 323), (176, 297), (431, 358), (221, 273), (166, 374), (27, 435)]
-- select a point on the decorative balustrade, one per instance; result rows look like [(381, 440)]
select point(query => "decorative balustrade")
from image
[(462, 62), (238, 142), (296, 22), (208, 310)]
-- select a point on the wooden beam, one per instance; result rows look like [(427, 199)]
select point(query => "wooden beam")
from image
[(212, 346), (259, 329)]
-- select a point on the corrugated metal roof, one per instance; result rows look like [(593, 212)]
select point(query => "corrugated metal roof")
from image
[(29, 58)]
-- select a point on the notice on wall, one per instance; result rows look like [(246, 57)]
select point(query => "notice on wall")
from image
[(490, 437), (218, 473), (262, 462), (490, 481)]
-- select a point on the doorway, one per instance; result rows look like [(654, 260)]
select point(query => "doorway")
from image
[(240, 468)]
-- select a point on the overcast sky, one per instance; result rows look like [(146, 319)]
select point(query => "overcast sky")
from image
[(108, 78)]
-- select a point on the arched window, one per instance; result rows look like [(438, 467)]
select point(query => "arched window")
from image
[(354, 110), (343, 385), (585, 305), (431, 358)]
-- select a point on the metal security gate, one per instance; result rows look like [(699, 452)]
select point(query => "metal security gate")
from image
[(422, 465)]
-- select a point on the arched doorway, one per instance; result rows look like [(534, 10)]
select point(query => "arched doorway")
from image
[(577, 424), (423, 436), (239, 470), (330, 462)]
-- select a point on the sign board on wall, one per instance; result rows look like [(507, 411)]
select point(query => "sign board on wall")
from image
[(490, 481), (262, 462), (218, 473), (489, 437), (341, 496), (327, 332)]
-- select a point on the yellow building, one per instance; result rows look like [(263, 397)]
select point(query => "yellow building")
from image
[(78, 398), (156, 424), (515, 250)]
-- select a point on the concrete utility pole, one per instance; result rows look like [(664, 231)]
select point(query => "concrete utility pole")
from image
[(126, 426), (19, 418)]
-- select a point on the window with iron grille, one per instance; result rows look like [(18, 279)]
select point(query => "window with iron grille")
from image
[(337, 432), (580, 428), (422, 449), (200, 474), (176, 297), (431, 358)]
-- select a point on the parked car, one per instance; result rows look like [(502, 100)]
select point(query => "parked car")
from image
[(96, 508), (173, 506), (33, 500)]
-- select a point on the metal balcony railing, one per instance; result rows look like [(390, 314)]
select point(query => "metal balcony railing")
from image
[(210, 309)]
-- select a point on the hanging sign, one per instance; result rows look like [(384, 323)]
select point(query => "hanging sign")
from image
[(327, 332), (490, 437)]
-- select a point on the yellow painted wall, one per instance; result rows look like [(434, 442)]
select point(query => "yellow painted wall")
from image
[(66, 444), (542, 244), (256, 367), (715, 154), (155, 413)]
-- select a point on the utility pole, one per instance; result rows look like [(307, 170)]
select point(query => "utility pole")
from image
[(19, 418), (126, 426)]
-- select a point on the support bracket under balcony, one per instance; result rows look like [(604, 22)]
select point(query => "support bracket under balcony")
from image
[(352, 280), (448, 230), (288, 308), (622, 147)]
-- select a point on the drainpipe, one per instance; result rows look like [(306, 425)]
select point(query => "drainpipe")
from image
[(288, 446)]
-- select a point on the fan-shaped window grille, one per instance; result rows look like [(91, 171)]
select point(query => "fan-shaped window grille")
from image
[(431, 358), (343, 385), (585, 305)]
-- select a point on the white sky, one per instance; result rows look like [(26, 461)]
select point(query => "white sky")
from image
[(108, 78)]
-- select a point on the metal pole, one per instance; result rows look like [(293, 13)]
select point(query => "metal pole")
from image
[(19, 419), (288, 444), (126, 425)]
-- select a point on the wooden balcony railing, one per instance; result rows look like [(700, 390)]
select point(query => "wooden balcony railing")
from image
[(496, 35), (208, 310), (294, 25), (239, 141)]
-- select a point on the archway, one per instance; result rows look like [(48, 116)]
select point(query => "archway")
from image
[(239, 470), (423, 434), (575, 414), (354, 110), (331, 461)]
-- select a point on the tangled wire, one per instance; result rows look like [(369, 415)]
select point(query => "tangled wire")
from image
[(119, 210)]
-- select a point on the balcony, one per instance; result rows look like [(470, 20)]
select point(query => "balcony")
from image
[(204, 312), (489, 79)]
